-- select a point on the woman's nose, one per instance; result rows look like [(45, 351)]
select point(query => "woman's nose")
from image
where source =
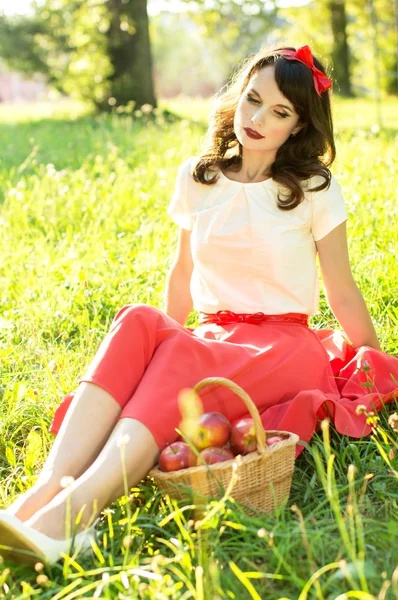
[(259, 117)]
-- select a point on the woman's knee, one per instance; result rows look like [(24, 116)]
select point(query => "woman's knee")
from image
[(131, 311), (138, 437)]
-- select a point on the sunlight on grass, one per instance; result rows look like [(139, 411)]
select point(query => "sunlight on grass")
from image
[(28, 112), (84, 232)]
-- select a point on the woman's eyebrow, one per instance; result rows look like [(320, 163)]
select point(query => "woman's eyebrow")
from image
[(257, 94)]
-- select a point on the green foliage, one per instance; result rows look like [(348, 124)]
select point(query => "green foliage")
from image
[(66, 41), (17, 44), (76, 47), (238, 27), (310, 24), (84, 230), (94, 51)]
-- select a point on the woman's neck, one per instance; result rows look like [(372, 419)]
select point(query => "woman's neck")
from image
[(253, 169)]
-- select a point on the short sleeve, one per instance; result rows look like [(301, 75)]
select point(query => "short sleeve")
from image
[(328, 210), (178, 209)]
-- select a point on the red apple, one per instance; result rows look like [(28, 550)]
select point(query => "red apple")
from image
[(214, 454), (212, 429), (273, 440), (243, 436), (177, 455)]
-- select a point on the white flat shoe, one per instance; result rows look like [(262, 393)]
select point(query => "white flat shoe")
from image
[(21, 543)]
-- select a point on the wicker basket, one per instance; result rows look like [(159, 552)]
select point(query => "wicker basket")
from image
[(264, 476)]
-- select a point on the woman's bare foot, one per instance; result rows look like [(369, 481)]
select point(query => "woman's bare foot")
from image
[(31, 501)]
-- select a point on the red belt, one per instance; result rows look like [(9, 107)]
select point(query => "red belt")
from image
[(227, 316)]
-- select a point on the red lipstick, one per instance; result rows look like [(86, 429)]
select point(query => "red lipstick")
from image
[(252, 134)]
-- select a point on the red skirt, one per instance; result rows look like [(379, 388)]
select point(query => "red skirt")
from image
[(294, 374)]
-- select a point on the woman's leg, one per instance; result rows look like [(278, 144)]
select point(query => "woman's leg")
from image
[(88, 423), (103, 482), (118, 367)]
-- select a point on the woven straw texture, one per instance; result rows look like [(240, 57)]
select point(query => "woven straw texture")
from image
[(264, 476)]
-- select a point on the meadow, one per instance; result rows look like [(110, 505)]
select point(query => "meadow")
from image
[(84, 231)]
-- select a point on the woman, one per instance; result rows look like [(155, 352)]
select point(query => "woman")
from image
[(254, 209)]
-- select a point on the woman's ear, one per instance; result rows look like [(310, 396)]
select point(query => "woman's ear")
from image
[(297, 129)]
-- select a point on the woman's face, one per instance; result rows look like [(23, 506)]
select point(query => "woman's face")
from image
[(260, 109)]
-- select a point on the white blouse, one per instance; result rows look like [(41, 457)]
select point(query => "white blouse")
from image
[(249, 256)]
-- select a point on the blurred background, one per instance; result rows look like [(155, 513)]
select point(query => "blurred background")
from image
[(111, 54)]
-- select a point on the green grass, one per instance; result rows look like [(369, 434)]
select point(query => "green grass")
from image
[(84, 230)]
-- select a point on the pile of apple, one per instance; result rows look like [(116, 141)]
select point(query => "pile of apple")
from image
[(216, 441)]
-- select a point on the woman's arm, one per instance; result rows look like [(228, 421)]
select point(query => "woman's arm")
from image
[(353, 316), (343, 294), (178, 300)]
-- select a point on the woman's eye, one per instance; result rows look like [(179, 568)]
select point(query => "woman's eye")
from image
[(283, 115)]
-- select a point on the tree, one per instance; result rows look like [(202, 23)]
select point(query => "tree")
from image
[(97, 51), (340, 52), (129, 53), (17, 46), (311, 24), (323, 25)]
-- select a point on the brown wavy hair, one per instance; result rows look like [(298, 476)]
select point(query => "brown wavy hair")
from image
[(310, 152)]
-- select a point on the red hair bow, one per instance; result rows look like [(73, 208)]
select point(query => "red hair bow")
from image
[(303, 55)]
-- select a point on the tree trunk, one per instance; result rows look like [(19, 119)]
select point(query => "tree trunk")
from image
[(130, 54), (340, 53)]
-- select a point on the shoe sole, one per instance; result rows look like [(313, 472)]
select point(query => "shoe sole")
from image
[(17, 548), (16, 544)]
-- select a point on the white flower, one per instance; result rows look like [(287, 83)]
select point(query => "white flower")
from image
[(123, 440), (66, 481)]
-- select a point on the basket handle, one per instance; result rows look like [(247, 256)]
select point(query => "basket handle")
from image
[(258, 426)]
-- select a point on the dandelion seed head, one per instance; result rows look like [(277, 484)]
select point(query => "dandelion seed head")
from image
[(238, 461), (66, 481), (393, 421), (325, 424), (123, 440), (127, 541), (262, 533), (351, 471)]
